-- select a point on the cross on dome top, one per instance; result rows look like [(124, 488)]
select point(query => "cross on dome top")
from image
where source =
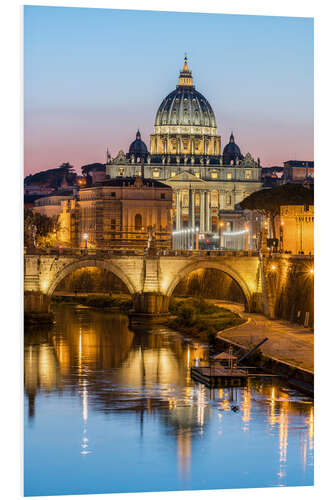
[(185, 76)]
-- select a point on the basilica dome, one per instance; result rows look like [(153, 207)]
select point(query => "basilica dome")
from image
[(185, 105), (138, 148), (185, 123), (231, 152)]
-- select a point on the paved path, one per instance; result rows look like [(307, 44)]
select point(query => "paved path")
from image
[(287, 341)]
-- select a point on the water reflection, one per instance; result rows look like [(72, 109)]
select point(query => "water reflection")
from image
[(96, 359)]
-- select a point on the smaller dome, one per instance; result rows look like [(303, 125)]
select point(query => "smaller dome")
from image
[(231, 152), (138, 147)]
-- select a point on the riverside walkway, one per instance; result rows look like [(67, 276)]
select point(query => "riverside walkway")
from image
[(287, 342)]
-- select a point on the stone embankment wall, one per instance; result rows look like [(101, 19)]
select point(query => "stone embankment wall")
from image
[(288, 284)]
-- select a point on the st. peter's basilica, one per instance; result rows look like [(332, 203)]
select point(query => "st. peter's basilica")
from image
[(186, 153)]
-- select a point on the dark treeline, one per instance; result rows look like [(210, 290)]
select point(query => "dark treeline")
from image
[(92, 279), (207, 283), (210, 284)]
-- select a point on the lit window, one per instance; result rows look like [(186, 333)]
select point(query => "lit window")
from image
[(173, 174), (197, 174), (229, 176), (121, 171), (248, 174), (213, 175), (156, 173)]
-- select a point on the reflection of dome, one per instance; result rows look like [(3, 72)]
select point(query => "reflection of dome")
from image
[(231, 152), (185, 105), (138, 147)]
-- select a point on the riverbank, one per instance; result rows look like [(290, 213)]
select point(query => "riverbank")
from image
[(201, 319), (288, 350), (115, 302), (287, 342)]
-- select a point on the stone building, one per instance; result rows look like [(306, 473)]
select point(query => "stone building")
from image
[(298, 171), (185, 153), (297, 228), (119, 213)]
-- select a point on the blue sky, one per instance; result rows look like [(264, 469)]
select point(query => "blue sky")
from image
[(93, 76)]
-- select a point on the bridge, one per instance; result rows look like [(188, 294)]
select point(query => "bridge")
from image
[(150, 280)]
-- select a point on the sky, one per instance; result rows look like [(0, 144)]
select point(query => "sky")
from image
[(92, 77)]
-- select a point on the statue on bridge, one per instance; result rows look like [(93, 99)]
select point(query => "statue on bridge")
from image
[(151, 248), (32, 231)]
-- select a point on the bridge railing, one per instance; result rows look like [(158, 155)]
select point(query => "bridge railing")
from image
[(139, 252)]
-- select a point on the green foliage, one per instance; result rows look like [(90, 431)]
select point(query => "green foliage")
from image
[(46, 227), (124, 303), (268, 201), (201, 318)]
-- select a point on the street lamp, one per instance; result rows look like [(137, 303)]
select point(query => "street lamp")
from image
[(85, 237)]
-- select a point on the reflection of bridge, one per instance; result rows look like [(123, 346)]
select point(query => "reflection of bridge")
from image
[(150, 280)]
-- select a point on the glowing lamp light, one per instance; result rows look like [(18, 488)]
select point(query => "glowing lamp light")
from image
[(273, 267), (44, 285), (311, 271)]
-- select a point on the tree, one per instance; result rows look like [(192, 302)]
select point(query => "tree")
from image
[(53, 177), (268, 201), (44, 227)]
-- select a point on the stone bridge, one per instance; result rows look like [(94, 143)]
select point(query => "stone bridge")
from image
[(149, 279)]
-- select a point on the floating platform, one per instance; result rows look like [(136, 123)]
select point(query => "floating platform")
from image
[(217, 376)]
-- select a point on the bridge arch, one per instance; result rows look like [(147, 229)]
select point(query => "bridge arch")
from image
[(226, 268), (82, 263)]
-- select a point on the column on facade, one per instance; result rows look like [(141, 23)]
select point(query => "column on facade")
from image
[(202, 212), (193, 219), (193, 209), (178, 211), (208, 215), (220, 200)]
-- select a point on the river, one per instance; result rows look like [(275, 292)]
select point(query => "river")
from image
[(111, 409)]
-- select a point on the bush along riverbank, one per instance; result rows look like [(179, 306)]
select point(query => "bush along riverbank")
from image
[(201, 319), (117, 302)]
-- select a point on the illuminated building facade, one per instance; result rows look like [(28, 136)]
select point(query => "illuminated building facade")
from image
[(297, 228), (186, 153), (118, 213)]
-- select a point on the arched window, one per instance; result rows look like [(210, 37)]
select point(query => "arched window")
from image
[(138, 222)]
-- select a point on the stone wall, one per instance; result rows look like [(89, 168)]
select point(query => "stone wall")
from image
[(288, 288)]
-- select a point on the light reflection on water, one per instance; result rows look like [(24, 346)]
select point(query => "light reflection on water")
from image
[(112, 410)]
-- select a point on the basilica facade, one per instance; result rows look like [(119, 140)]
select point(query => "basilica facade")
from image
[(186, 154)]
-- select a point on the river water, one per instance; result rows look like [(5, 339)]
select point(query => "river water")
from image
[(111, 409)]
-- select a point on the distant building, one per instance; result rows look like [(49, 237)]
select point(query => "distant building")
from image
[(52, 205), (297, 229), (272, 176), (92, 173), (298, 171), (120, 213)]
